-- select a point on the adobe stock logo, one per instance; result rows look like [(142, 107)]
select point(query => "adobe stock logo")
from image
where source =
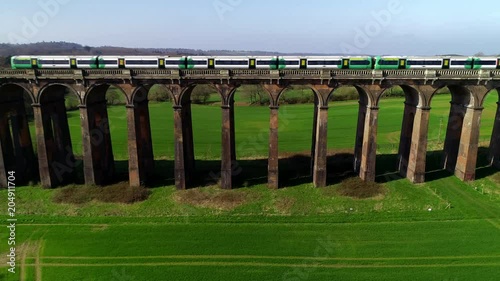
[(222, 7), (30, 26), (373, 28)]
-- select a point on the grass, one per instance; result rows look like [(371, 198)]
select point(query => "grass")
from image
[(441, 230)]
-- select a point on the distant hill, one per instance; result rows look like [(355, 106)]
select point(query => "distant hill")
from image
[(67, 48)]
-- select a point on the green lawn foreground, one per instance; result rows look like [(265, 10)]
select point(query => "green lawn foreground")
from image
[(440, 230)]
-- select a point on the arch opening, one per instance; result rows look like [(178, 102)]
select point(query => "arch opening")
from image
[(17, 153), (489, 140), (395, 130), (249, 111), (106, 158), (155, 145), (297, 115), (449, 107)]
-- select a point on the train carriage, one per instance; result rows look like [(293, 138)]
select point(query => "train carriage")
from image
[(233, 62), (86, 62), (358, 62), (290, 62), (324, 62), (266, 62), (23, 62), (55, 62), (424, 62), (197, 62), (175, 62), (143, 62), (458, 62), (485, 63), (390, 62), (111, 62)]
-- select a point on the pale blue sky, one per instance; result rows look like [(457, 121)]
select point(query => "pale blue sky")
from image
[(424, 27)]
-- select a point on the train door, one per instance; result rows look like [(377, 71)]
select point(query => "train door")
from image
[(446, 63)]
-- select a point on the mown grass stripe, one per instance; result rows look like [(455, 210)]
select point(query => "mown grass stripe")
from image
[(261, 264), (270, 257)]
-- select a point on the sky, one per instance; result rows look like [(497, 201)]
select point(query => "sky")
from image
[(375, 27)]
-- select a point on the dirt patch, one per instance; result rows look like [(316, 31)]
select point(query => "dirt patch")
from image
[(356, 188), (284, 205), (214, 198), (117, 193), (99, 228)]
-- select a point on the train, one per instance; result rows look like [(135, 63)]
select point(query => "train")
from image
[(254, 62)]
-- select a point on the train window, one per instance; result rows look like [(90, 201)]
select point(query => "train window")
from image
[(433, 62), (424, 62), (415, 62), (360, 62), (289, 62), (86, 61), (461, 62), (62, 62), (266, 62), (198, 62), (231, 62), (485, 62), (388, 62), (142, 62), (174, 62), (25, 62), (325, 62)]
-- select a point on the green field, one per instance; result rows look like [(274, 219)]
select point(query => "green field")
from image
[(441, 230), (296, 121)]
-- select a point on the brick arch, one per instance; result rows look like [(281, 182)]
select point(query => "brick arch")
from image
[(459, 95), (363, 96), (16, 147), (483, 99), (185, 93), (232, 94), (98, 92), (28, 92), (142, 92), (58, 87), (412, 95), (315, 93)]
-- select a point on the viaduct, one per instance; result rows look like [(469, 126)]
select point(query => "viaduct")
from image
[(46, 89)]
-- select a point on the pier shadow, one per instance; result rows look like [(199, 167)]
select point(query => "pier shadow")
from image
[(294, 170)]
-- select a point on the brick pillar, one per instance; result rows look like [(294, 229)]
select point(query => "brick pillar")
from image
[(418, 151), (16, 148), (25, 161), (453, 133), (140, 146), (273, 172), (321, 147), (314, 133), (469, 143), (494, 154), (180, 163), (187, 117), (360, 131), (43, 140), (369, 151), (6, 151), (99, 166), (406, 137), (184, 148), (55, 152), (228, 157)]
